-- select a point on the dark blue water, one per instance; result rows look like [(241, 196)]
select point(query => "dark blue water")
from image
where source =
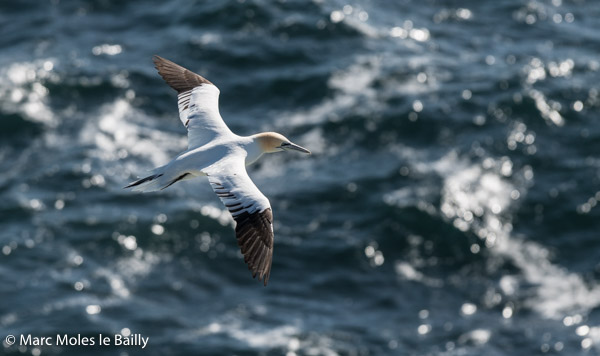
[(449, 206)]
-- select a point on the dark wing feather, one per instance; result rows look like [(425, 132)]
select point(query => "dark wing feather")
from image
[(251, 211), (178, 78), (254, 233), (197, 100)]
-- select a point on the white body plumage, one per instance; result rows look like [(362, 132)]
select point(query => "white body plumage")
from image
[(216, 152)]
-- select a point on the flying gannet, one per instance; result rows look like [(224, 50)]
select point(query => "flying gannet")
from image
[(216, 152)]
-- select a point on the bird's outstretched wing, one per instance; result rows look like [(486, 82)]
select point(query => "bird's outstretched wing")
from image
[(198, 101), (250, 209)]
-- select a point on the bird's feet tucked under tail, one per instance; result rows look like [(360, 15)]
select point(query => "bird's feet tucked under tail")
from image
[(146, 184)]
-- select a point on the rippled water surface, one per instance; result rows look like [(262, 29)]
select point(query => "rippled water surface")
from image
[(449, 206)]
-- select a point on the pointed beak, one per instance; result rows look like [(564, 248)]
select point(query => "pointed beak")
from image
[(295, 147)]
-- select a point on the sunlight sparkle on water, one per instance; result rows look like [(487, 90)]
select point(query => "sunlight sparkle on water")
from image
[(93, 309), (417, 106), (420, 35), (586, 343), (129, 242), (477, 336), (464, 14), (507, 312), (582, 330), (468, 309), (336, 16), (107, 49), (398, 32), (157, 229), (424, 329)]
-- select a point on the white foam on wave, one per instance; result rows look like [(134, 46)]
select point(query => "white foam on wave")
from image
[(121, 129), (353, 94), (352, 86), (547, 109), (289, 338), (358, 18), (127, 271), (275, 337), (406, 271), (120, 277), (22, 90), (355, 17), (480, 197)]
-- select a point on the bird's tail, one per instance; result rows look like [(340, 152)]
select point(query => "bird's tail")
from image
[(160, 179)]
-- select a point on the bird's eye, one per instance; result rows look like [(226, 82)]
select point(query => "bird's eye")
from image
[(283, 144)]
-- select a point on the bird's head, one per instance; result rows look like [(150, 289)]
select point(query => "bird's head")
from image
[(270, 142)]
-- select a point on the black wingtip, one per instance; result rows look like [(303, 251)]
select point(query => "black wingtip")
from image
[(177, 77), (156, 59), (159, 62)]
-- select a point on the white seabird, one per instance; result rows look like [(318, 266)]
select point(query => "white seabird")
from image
[(216, 152)]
